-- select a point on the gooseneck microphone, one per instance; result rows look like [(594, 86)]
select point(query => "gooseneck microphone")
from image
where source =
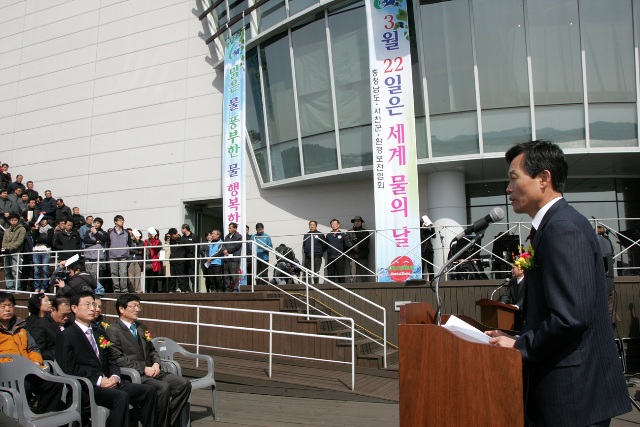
[(495, 215)]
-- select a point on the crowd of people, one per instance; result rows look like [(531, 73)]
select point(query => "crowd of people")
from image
[(111, 259), (73, 332)]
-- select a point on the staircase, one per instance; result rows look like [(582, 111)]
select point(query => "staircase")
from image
[(369, 353)]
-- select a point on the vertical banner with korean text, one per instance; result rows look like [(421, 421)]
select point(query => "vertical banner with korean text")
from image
[(233, 139), (395, 170)]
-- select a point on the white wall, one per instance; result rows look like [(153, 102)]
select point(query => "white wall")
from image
[(111, 105)]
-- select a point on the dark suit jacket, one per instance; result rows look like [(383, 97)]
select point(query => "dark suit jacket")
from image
[(76, 357), (45, 334), (129, 352), (574, 375)]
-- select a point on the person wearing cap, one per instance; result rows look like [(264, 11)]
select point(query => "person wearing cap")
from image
[(426, 246), (359, 252), (262, 254), (153, 267)]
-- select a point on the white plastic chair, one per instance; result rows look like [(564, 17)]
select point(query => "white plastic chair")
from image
[(12, 375), (167, 348)]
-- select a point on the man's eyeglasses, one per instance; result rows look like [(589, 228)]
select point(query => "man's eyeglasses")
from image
[(88, 304), (135, 307)]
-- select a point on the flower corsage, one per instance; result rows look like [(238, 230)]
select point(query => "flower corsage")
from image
[(104, 325), (147, 335), (103, 342), (525, 260)]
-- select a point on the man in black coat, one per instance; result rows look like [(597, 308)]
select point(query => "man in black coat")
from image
[(573, 374), (50, 326), (81, 350), (231, 250)]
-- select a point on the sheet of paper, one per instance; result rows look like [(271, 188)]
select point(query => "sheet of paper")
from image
[(39, 218), (463, 330), (71, 260)]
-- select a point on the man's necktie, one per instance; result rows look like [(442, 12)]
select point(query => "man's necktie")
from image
[(532, 234), (92, 341), (134, 330)]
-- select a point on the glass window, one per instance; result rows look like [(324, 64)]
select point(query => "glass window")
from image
[(562, 124), (255, 115), (270, 13), (296, 6), (280, 108), (554, 40), (421, 138), (220, 13), (446, 31), (236, 7), (613, 125), (315, 104), (502, 128), (454, 134), (608, 38), (501, 53), (350, 57)]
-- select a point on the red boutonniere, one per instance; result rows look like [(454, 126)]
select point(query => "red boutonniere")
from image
[(104, 325), (525, 261), (147, 335), (103, 342)]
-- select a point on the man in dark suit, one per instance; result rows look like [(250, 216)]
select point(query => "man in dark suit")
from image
[(50, 326), (232, 250), (573, 375), (137, 352), (82, 351)]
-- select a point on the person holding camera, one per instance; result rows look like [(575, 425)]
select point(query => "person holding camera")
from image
[(72, 280)]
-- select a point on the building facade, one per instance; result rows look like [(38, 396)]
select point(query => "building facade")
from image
[(116, 105)]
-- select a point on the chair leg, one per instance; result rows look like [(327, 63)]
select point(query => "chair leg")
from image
[(215, 403)]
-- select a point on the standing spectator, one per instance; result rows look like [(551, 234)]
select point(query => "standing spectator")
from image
[(5, 177), (262, 254), (177, 280), (231, 250), (78, 220), (190, 239), (32, 210), (213, 266), (7, 207), (23, 204), (16, 184), (63, 211), (26, 274), (135, 266), (248, 263), (66, 240), (606, 248), (166, 264), (95, 242), (313, 245), (85, 228), (153, 267), (426, 246), (48, 206), (15, 196), (360, 249), (337, 243), (11, 246), (119, 242), (43, 240), (33, 194)]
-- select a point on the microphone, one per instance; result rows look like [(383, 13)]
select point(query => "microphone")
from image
[(495, 215), (501, 285)]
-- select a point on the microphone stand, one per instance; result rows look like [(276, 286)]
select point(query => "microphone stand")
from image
[(446, 268), (501, 285)]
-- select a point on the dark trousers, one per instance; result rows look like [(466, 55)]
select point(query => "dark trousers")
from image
[(172, 392), (117, 401), (317, 262), (335, 269), (262, 275), (231, 276), (48, 393), (153, 280), (213, 279), (178, 271)]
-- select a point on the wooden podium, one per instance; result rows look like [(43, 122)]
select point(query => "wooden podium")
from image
[(496, 314), (447, 381)]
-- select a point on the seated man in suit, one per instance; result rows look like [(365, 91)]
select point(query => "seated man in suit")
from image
[(132, 348), (50, 326), (82, 351)]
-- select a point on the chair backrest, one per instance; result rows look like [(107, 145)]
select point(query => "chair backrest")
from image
[(12, 374), (167, 347)]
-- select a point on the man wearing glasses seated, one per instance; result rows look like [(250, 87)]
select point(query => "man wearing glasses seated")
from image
[(132, 348), (82, 350)]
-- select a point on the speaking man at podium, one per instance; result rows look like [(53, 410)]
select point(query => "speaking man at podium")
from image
[(572, 373)]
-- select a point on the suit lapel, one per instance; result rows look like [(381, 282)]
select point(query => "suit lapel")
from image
[(82, 338), (129, 336)]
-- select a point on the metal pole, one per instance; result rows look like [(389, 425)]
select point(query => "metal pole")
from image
[(353, 356), (270, 343)]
